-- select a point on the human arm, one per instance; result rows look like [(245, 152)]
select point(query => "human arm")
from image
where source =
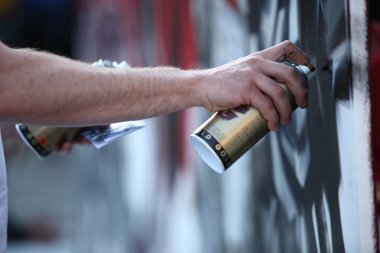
[(38, 87)]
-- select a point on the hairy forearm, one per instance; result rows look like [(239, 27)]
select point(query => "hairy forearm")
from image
[(38, 87)]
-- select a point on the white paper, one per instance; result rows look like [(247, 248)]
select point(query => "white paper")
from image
[(101, 136)]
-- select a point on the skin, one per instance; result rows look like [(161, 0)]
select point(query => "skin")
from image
[(42, 88)]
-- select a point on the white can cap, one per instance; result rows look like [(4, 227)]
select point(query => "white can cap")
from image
[(304, 69), (207, 154)]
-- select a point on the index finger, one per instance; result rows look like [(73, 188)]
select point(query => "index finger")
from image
[(287, 50)]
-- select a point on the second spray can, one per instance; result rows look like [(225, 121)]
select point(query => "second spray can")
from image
[(227, 135)]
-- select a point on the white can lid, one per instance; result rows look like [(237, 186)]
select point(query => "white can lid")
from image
[(304, 69), (208, 155)]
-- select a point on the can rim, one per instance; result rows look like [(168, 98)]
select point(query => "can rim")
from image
[(206, 153)]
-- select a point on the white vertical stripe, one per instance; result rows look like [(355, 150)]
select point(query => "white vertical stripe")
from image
[(361, 111), (3, 201)]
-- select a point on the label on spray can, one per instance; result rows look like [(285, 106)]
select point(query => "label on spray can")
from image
[(43, 140), (227, 135)]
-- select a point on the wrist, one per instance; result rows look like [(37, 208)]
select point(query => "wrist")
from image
[(197, 87)]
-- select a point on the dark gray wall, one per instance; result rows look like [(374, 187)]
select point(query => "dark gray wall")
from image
[(309, 186)]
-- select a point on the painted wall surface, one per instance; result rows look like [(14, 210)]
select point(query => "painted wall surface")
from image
[(313, 192), (308, 187)]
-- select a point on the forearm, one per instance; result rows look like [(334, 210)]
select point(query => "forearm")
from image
[(38, 87)]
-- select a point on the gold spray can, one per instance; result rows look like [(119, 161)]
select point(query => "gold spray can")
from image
[(43, 140), (229, 134)]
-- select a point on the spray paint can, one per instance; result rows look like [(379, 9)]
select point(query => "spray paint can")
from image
[(229, 134), (42, 140)]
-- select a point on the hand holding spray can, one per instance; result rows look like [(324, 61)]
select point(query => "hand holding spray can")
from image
[(229, 134)]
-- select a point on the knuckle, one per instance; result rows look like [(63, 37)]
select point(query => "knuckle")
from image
[(267, 106), (288, 43), (288, 114), (280, 93), (274, 117), (304, 93), (301, 99), (286, 111), (291, 72), (255, 59)]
